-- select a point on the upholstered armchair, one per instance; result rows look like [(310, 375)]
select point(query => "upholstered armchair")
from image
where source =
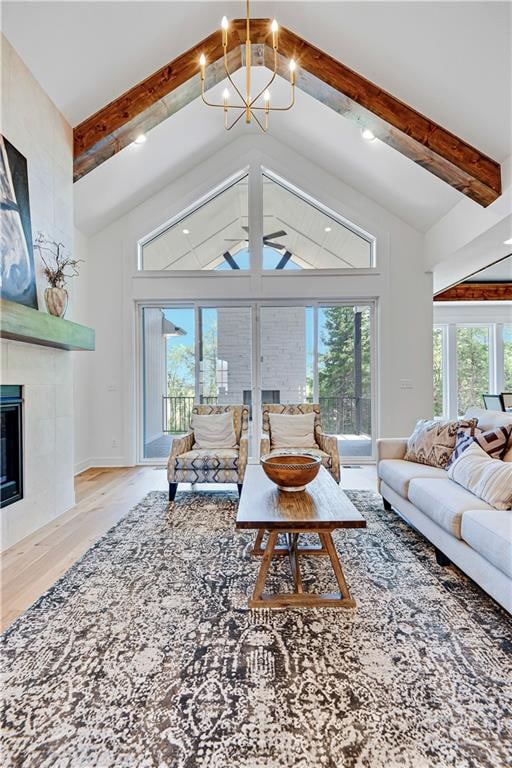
[(187, 464), (327, 445)]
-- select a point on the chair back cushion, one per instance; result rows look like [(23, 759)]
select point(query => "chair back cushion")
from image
[(291, 410), (292, 431), (240, 416), (214, 430)]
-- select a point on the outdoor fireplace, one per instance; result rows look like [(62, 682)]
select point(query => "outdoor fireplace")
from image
[(11, 444)]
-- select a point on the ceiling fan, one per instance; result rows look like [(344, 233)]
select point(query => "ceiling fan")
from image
[(267, 239)]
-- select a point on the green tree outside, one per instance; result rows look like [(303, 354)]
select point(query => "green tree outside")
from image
[(472, 366), (337, 368)]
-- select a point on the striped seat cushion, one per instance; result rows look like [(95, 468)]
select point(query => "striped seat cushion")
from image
[(494, 442)]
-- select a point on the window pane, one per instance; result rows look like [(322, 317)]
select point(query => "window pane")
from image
[(344, 376), (472, 366), (507, 355), (213, 236), (169, 376), (299, 235), (438, 372)]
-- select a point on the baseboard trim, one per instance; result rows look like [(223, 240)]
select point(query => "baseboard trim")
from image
[(102, 461), (82, 466)]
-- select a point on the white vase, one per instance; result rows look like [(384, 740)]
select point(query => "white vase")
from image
[(56, 301)]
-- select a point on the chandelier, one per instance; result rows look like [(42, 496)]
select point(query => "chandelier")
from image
[(245, 104)]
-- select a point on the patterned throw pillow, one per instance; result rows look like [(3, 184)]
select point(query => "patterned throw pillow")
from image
[(433, 441), (494, 442)]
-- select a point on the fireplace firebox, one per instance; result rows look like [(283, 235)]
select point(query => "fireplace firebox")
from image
[(11, 444)]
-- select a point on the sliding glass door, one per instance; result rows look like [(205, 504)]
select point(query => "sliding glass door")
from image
[(322, 354), (344, 376), (254, 354), (169, 380), (191, 355)]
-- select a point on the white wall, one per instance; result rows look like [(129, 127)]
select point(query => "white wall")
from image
[(401, 286), (36, 128), (79, 311)]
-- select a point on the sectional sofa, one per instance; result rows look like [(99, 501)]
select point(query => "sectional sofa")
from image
[(463, 529)]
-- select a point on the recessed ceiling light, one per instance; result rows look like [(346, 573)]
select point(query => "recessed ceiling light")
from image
[(140, 139), (368, 135), (327, 229), (186, 231), (508, 242)]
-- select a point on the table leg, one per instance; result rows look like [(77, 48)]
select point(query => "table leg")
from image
[(257, 550), (256, 599), (293, 551), (336, 565)]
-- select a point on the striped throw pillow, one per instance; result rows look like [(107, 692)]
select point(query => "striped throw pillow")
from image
[(489, 479), (494, 442)]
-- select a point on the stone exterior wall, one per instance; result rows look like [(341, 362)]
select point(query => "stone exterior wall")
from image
[(283, 337)]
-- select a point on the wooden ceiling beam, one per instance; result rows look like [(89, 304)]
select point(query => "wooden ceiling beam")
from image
[(329, 81), (476, 292)]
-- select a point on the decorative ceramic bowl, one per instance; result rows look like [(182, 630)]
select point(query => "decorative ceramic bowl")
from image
[(290, 472)]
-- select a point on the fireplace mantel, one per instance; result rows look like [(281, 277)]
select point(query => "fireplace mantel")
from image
[(21, 323)]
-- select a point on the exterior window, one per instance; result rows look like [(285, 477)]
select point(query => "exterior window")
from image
[(299, 234), (507, 358), (438, 373), (214, 236), (472, 366)]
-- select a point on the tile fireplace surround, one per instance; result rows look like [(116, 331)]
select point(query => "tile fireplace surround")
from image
[(46, 375)]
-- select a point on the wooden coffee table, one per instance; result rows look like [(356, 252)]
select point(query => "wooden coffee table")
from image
[(320, 509)]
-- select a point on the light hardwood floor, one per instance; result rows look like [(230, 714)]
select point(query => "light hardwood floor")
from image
[(103, 496)]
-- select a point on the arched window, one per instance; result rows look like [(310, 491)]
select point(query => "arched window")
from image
[(225, 231)]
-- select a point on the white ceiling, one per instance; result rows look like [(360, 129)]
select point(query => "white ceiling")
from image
[(452, 61), (501, 272), (311, 128)]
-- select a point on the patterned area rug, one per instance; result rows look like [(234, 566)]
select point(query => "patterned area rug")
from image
[(145, 655)]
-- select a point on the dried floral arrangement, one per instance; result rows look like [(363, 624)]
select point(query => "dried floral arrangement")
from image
[(57, 267)]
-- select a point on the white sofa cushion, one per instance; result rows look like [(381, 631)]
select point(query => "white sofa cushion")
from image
[(489, 532), (213, 430), (398, 473), (292, 430), (489, 479), (443, 501)]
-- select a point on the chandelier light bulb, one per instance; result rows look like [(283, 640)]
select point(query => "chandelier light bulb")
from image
[(202, 60), (274, 28), (225, 94), (224, 25), (292, 65), (266, 95)]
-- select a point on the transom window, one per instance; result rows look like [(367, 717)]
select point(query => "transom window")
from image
[(226, 231)]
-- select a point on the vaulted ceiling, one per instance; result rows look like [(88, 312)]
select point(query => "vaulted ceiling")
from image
[(450, 61)]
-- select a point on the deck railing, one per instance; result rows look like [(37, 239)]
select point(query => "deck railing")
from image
[(340, 415)]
